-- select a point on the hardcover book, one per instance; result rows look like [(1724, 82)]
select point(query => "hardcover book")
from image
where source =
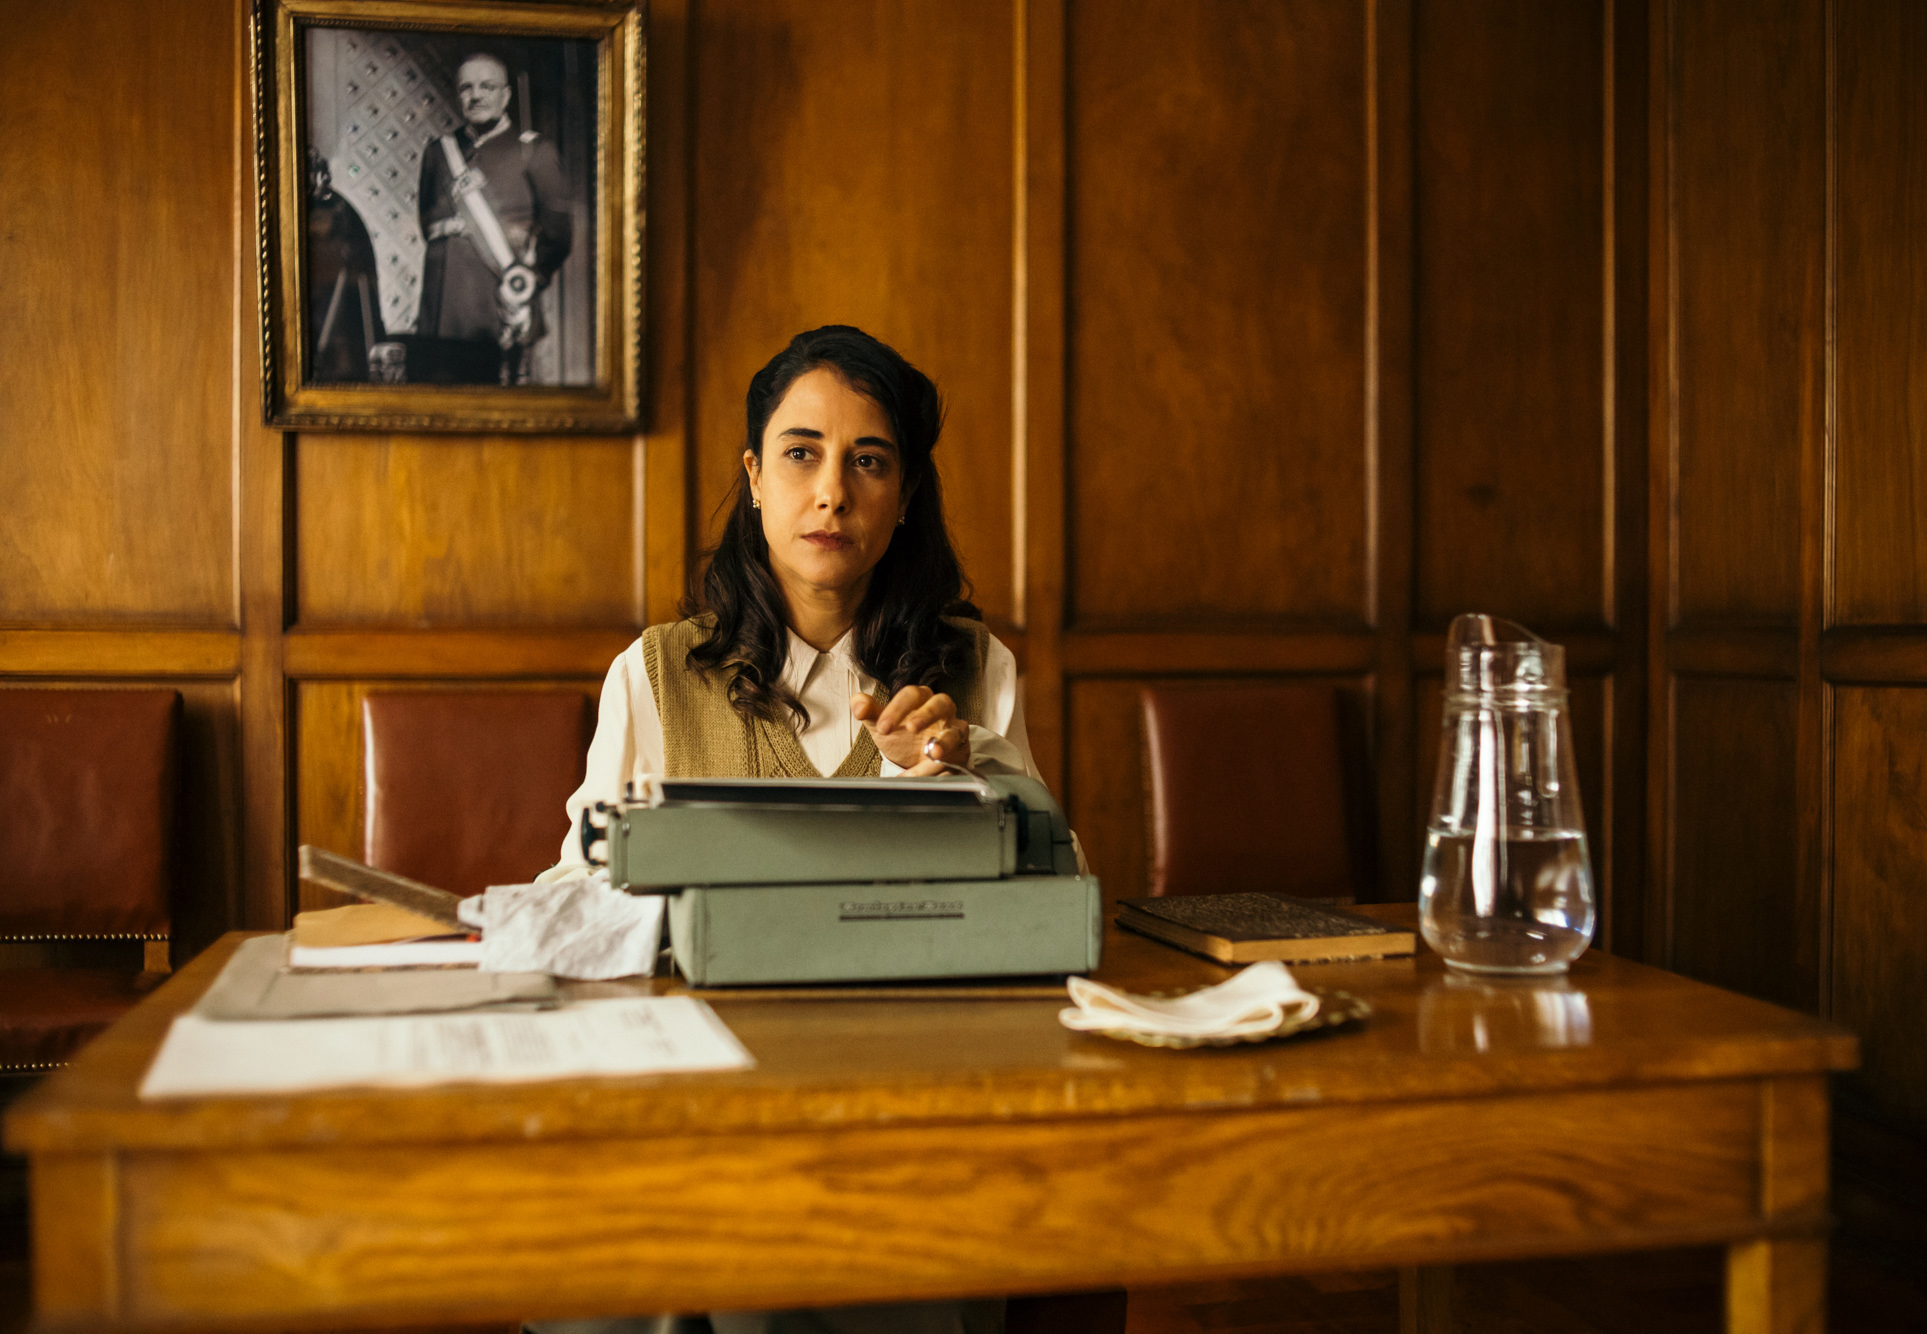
[(1244, 928)]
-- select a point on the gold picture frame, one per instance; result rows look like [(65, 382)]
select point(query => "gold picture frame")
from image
[(426, 171)]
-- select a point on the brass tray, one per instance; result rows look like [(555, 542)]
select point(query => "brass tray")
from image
[(1334, 1008)]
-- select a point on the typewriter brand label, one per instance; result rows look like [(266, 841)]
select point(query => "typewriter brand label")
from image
[(899, 910)]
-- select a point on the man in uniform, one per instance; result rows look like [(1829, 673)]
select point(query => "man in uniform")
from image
[(343, 286), (495, 212)]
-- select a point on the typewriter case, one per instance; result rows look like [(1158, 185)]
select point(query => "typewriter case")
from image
[(787, 881)]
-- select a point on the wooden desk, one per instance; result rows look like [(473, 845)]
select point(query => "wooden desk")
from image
[(896, 1150)]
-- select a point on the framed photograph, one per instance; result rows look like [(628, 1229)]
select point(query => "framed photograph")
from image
[(451, 196)]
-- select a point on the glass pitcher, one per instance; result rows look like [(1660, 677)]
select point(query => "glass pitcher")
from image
[(1507, 881)]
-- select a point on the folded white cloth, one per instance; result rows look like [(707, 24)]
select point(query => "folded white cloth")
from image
[(575, 927), (1259, 999)]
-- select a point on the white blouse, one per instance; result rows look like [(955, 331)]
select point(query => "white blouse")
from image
[(628, 735)]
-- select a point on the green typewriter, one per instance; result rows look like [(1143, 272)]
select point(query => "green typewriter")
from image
[(778, 880)]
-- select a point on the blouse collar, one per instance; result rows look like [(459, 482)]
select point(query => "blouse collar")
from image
[(803, 658)]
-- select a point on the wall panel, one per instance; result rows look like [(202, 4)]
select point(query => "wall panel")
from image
[(1106, 787), (1243, 229), (1217, 203), (1734, 850), (1788, 406), (1512, 505), (853, 166), (327, 779), (211, 890), (427, 531), (1880, 891), (1881, 446), (1748, 229), (117, 356)]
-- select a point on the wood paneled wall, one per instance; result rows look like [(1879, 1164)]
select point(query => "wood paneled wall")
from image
[(1342, 313), (1789, 643), (118, 512), (1275, 333), (152, 530)]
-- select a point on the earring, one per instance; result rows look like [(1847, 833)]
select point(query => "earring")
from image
[(899, 521), (757, 504)]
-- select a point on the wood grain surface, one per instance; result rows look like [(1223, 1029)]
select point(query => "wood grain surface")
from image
[(263, 468), (946, 1148), (496, 654), (842, 1063), (1259, 442), (1795, 1167), (1894, 655), (1733, 919), (1089, 653), (1881, 298), (1760, 653), (414, 531), (76, 1202), (1748, 210), (1391, 412), (116, 372), (1776, 1286), (1784, 566), (98, 653), (1040, 317), (854, 167), (1879, 901), (914, 1211), (328, 776), (1511, 429)]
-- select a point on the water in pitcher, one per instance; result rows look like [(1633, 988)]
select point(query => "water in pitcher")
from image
[(1522, 904)]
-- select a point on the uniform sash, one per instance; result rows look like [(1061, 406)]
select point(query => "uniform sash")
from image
[(477, 210)]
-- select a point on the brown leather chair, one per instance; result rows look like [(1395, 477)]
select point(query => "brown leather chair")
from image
[(1247, 791), (465, 789), (86, 854)]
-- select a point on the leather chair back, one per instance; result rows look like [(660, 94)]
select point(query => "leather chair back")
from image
[(464, 790), (1247, 790), (87, 783)]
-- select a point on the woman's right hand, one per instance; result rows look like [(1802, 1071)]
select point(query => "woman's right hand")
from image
[(918, 731)]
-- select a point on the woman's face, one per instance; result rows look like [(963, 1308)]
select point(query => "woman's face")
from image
[(831, 486)]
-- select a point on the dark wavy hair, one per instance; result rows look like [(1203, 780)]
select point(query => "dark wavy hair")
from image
[(902, 637)]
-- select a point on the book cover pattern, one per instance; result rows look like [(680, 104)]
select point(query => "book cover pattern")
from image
[(1256, 917)]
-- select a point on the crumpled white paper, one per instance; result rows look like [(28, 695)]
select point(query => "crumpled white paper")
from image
[(574, 927), (1257, 1000)]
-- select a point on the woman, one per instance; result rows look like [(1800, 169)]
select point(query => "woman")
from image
[(834, 641)]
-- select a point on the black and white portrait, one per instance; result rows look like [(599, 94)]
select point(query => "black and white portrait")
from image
[(450, 208)]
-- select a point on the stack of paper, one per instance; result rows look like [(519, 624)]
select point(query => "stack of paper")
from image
[(257, 985), (629, 1036)]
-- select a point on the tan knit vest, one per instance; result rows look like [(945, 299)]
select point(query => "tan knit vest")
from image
[(704, 737)]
